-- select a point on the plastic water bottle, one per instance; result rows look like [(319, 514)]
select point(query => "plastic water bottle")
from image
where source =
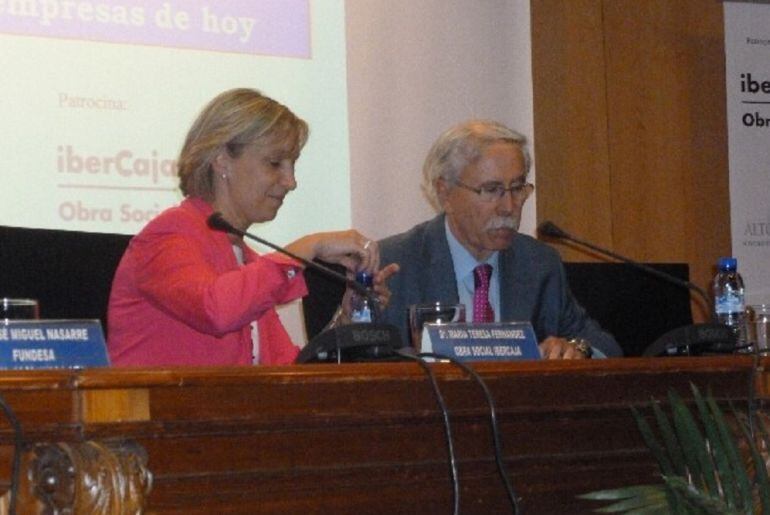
[(362, 310), (729, 302)]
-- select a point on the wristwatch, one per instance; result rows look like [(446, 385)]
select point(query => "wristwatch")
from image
[(583, 346)]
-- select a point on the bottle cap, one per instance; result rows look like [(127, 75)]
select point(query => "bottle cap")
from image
[(365, 278), (728, 264)]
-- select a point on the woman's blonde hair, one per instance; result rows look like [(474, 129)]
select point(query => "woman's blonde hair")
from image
[(231, 121)]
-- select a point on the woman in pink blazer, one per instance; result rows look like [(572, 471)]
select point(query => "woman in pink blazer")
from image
[(185, 294)]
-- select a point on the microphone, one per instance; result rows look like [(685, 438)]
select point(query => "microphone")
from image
[(551, 230), (691, 340), (352, 342), (217, 222)]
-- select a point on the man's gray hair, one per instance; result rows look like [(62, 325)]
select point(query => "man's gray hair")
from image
[(460, 146)]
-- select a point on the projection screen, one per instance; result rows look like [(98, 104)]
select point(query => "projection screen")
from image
[(98, 95)]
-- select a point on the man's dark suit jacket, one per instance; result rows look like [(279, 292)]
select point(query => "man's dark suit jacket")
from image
[(533, 285)]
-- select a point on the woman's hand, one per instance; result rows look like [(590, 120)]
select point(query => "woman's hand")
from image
[(350, 249), (379, 288)]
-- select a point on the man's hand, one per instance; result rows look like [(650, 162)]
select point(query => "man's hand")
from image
[(379, 288), (380, 283), (559, 348)]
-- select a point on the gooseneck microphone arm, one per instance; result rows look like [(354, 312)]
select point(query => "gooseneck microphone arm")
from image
[(550, 229), (217, 222)]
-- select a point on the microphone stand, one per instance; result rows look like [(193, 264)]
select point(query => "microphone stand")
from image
[(217, 222), (552, 230)]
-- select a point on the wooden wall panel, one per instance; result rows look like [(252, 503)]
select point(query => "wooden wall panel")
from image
[(667, 131), (661, 190), (571, 153)]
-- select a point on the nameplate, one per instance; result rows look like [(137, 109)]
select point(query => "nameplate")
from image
[(499, 341), (31, 344)]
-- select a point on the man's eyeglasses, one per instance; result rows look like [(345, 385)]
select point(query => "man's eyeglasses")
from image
[(494, 191)]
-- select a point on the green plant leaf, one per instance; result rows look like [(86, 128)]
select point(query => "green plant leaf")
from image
[(702, 473), (763, 431), (724, 469), (730, 447), (674, 450), (764, 487), (696, 500), (761, 480), (632, 499), (658, 452), (623, 493)]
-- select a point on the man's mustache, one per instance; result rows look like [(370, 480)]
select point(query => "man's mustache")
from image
[(503, 222)]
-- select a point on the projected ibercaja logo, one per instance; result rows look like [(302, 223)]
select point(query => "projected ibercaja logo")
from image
[(95, 186)]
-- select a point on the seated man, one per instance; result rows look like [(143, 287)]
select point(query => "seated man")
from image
[(476, 176)]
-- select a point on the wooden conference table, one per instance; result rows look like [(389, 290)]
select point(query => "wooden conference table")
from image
[(352, 438)]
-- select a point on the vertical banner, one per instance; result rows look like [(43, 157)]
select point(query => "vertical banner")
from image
[(747, 71)]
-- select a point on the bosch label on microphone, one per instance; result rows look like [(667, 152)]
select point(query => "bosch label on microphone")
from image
[(370, 335)]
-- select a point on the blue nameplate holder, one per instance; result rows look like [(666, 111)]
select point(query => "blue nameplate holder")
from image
[(498, 341), (32, 344)]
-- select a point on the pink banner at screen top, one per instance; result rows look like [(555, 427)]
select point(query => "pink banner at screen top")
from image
[(265, 27)]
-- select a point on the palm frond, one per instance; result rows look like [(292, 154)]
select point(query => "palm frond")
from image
[(764, 487), (658, 452), (701, 464), (694, 500), (726, 476), (694, 446), (760, 479), (730, 448), (649, 498), (670, 441)]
